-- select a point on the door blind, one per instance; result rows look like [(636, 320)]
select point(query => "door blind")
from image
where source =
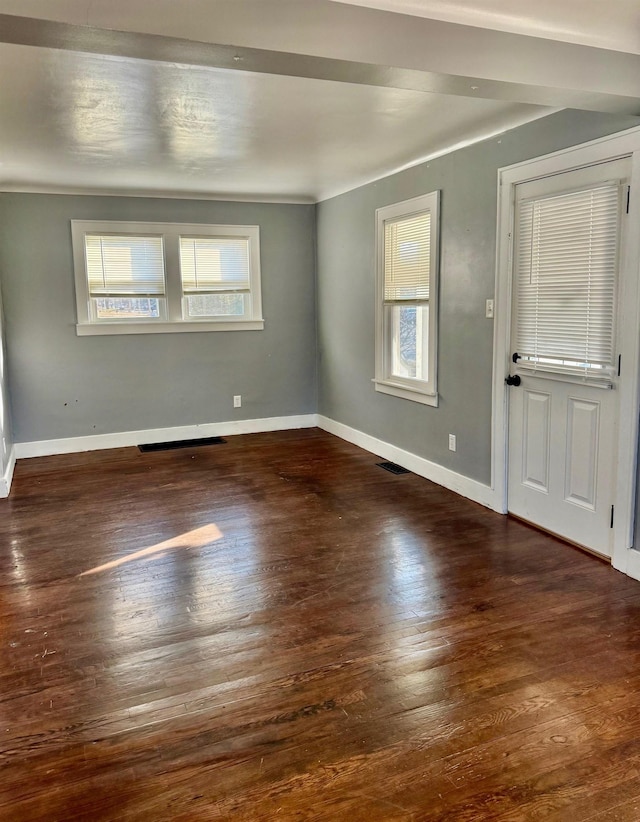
[(124, 266), (566, 265), (209, 265), (407, 258)]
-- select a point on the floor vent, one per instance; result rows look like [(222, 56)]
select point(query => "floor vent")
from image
[(393, 468), (170, 446)]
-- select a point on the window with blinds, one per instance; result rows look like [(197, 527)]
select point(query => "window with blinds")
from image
[(565, 285), (134, 278), (406, 331), (407, 258), (121, 266), (215, 275), (126, 276)]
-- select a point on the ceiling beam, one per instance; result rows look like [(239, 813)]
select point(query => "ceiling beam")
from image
[(350, 44)]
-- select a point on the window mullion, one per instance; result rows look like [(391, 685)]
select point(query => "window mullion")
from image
[(173, 283)]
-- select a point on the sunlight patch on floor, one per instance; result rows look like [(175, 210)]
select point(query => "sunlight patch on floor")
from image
[(197, 538)]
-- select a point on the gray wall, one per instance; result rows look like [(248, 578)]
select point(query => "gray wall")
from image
[(346, 278), (63, 385)]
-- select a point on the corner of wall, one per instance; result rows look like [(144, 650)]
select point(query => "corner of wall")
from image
[(7, 477), (316, 297), (465, 486)]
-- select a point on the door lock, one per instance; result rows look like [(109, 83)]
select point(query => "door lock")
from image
[(513, 380)]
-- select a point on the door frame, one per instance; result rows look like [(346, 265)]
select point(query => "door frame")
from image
[(612, 147)]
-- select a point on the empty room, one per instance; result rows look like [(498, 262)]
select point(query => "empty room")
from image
[(319, 402)]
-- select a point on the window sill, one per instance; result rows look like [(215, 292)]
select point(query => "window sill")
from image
[(405, 393), (99, 329)]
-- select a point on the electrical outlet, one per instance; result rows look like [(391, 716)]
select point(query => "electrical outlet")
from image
[(237, 401), (488, 311), (452, 442)]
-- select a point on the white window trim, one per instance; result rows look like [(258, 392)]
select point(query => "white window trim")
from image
[(408, 389), (175, 322)]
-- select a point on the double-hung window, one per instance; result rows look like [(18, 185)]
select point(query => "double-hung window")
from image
[(134, 278), (407, 288)]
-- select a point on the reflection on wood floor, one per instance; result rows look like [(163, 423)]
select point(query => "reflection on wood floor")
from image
[(277, 629)]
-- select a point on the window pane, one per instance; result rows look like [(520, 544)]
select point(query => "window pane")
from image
[(407, 257), (125, 308), (119, 266), (566, 266), (410, 341), (215, 305), (214, 264)]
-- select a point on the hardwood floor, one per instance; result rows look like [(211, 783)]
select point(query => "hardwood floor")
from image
[(277, 629)]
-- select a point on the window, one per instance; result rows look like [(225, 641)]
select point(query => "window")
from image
[(565, 289), (134, 278), (407, 288)]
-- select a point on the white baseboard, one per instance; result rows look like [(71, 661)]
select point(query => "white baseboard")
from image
[(628, 562), (96, 442), (466, 487), (7, 477)]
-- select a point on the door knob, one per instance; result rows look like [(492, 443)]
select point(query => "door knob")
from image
[(513, 380)]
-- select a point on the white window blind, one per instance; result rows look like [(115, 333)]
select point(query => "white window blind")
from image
[(566, 264), (407, 258), (210, 265), (122, 266)]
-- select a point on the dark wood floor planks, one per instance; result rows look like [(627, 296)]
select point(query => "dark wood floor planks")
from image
[(277, 629)]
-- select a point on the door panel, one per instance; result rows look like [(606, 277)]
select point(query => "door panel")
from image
[(563, 477), (536, 428), (581, 459), (563, 415)]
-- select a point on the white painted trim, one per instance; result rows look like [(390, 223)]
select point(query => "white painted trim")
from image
[(632, 568), (501, 339), (611, 147), (465, 486), (7, 477), (623, 556), (405, 393), (152, 194), (172, 298), (385, 381), (123, 439), (600, 150), (179, 327)]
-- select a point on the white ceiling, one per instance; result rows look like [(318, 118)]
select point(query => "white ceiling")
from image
[(196, 122), (76, 120), (607, 25)]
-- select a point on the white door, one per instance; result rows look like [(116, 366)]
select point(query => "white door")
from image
[(567, 244)]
